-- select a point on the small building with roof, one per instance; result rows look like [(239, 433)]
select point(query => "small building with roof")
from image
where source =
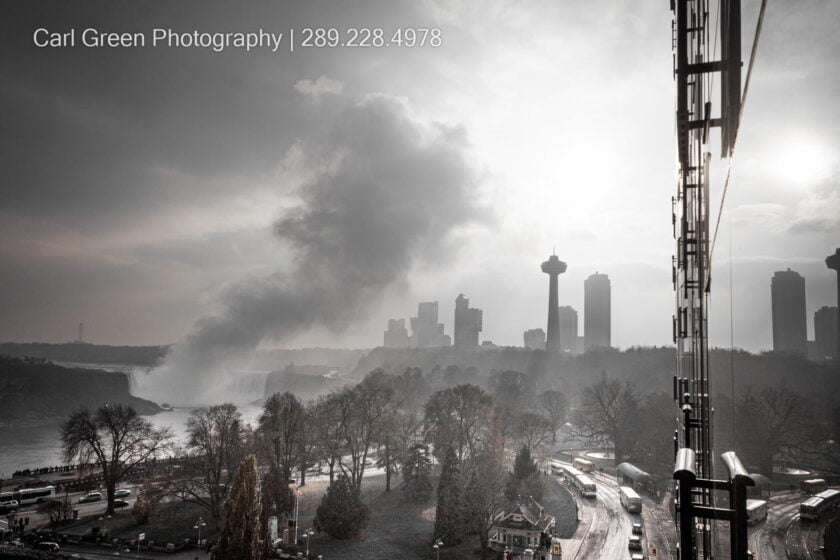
[(525, 532)]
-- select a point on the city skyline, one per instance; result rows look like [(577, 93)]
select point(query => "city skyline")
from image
[(149, 208)]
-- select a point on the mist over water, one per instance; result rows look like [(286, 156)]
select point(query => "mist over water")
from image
[(379, 192)]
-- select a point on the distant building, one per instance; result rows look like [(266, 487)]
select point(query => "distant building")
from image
[(526, 527), (825, 332), (468, 322), (426, 332), (534, 339), (787, 290), (596, 311), (397, 335), (568, 329)]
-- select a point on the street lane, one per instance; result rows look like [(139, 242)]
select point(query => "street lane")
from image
[(605, 527), (767, 539)]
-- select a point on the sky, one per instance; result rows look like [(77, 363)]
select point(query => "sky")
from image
[(228, 200)]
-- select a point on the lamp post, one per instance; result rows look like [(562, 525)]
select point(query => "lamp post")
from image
[(308, 533), (436, 547), (198, 525)]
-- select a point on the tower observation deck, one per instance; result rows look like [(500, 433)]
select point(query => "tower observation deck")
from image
[(553, 267)]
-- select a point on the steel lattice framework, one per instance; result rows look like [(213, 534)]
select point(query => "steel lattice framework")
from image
[(693, 38)]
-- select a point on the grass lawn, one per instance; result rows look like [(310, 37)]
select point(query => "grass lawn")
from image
[(403, 530), (559, 502), (173, 522), (397, 528)]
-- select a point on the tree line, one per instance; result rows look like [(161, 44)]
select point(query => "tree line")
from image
[(463, 434)]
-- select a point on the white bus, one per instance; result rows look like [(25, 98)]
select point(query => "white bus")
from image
[(556, 468), (814, 486), (570, 473), (28, 496), (630, 500), (583, 464), (586, 486), (756, 511), (814, 507)]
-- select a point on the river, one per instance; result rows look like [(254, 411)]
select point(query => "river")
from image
[(24, 448)]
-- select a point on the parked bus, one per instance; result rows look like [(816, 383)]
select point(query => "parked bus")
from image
[(586, 486), (815, 506), (583, 464), (756, 511), (28, 496), (630, 500), (814, 486)]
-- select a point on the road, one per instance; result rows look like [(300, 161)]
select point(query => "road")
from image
[(605, 526), (90, 509)]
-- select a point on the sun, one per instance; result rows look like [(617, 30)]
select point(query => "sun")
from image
[(803, 160)]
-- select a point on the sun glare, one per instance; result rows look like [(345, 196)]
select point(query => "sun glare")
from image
[(803, 161)]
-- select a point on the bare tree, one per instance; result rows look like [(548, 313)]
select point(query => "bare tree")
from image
[(485, 495), (774, 421), (554, 406), (328, 430), (215, 439), (362, 411), (279, 430), (116, 438), (458, 417), (307, 438), (531, 430), (608, 414)]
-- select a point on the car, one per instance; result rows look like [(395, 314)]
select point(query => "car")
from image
[(635, 543), (90, 497), (48, 545), (637, 556), (637, 529), (120, 503), (122, 493), (9, 507)]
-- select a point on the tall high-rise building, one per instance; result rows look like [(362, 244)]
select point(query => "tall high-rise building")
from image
[(825, 332), (833, 262), (467, 323), (596, 311), (397, 335), (534, 339), (554, 267), (426, 332), (568, 329), (787, 290)]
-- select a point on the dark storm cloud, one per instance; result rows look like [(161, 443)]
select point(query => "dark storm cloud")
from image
[(96, 136), (381, 193)]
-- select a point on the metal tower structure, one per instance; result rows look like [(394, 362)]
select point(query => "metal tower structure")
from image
[(693, 42)]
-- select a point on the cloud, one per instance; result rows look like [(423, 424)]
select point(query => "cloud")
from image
[(322, 86), (819, 211), (380, 192)]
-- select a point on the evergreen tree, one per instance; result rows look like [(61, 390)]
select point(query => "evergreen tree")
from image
[(267, 508), (525, 479), (242, 512), (450, 514), (416, 469), (342, 514)]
